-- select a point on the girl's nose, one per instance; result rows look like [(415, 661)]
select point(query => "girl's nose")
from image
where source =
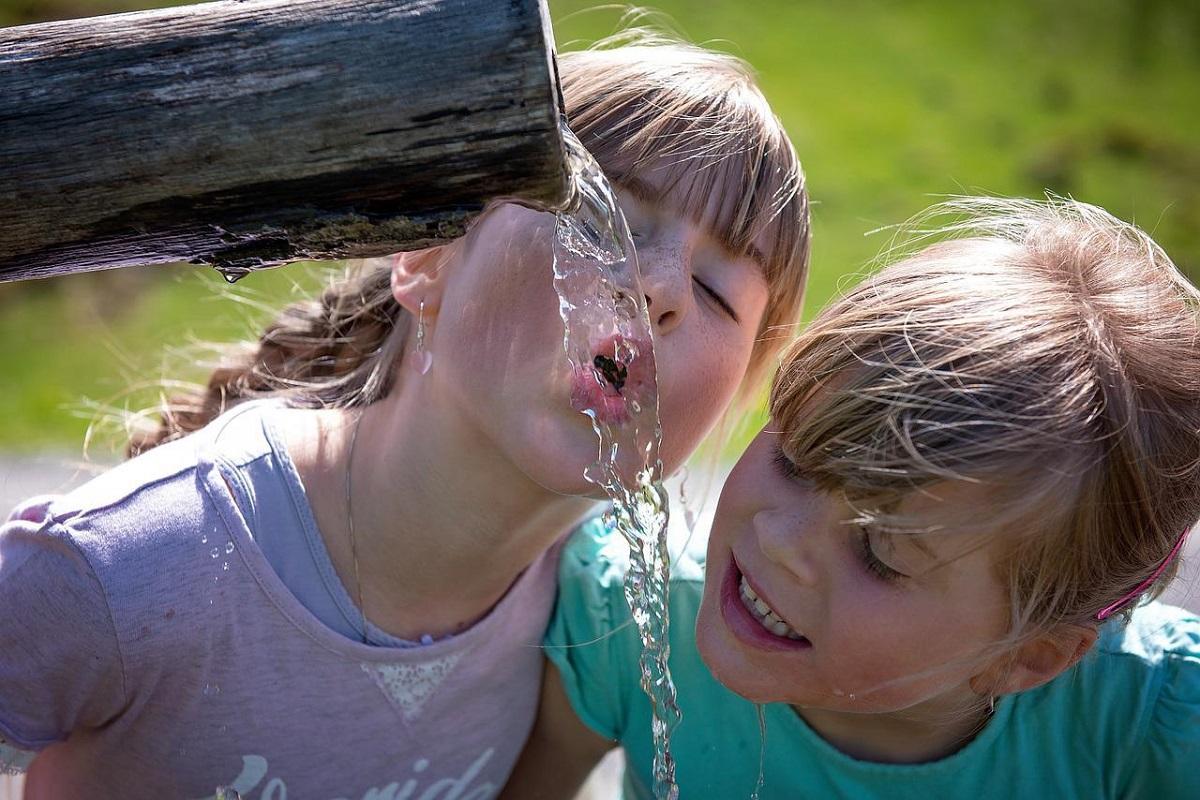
[(784, 540), (666, 279)]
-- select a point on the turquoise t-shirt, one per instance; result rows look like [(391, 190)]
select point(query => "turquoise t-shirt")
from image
[(1123, 723)]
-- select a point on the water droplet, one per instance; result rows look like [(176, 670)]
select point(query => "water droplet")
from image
[(231, 274), (593, 473), (216, 551), (225, 566), (204, 539), (211, 689), (228, 547), (852, 696)]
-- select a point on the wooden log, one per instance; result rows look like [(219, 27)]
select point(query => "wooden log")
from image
[(250, 133)]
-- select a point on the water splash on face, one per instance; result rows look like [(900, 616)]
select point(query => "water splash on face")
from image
[(608, 340)]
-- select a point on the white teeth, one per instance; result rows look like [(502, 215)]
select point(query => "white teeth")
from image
[(765, 615)]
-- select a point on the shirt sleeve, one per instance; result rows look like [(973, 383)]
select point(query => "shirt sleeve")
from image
[(592, 639), (60, 667), (1169, 762)]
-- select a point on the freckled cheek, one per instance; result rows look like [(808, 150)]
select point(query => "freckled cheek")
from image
[(891, 648), (695, 386)]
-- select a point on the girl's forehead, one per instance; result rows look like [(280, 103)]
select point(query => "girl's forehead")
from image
[(664, 191)]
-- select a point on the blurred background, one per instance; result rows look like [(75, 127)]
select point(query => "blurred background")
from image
[(890, 105)]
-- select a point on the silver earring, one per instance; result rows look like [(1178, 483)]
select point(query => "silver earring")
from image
[(422, 358)]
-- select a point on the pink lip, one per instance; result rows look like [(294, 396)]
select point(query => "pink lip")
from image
[(590, 392), (745, 627)]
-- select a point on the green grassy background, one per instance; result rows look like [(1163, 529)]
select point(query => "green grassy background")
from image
[(890, 104)]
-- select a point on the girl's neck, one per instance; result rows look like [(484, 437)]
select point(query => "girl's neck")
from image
[(442, 523), (930, 732)]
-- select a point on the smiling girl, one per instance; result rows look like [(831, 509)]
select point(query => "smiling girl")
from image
[(929, 564), (336, 588)]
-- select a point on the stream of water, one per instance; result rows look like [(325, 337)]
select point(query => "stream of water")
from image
[(608, 341)]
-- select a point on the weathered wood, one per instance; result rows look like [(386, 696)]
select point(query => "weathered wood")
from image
[(247, 134)]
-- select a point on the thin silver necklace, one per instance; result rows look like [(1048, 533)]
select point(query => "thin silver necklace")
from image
[(362, 611)]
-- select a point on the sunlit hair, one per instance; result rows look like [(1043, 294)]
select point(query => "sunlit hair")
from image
[(688, 120), (1045, 351), (688, 128)]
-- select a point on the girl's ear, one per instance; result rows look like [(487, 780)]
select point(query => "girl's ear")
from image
[(1036, 661), (418, 276)]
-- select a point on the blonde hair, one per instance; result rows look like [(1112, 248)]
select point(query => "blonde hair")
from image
[(637, 100), (1046, 351)]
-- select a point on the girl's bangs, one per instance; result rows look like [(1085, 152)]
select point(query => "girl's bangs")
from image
[(688, 129), (719, 168)]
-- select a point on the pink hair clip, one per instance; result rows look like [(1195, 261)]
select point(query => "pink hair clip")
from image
[(1108, 611)]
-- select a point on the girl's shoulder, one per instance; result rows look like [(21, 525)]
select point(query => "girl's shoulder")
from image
[(1146, 667), (144, 519), (164, 484), (1139, 692), (1154, 632)]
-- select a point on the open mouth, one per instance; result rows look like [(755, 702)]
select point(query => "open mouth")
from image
[(612, 372), (765, 615), (752, 619), (611, 386)]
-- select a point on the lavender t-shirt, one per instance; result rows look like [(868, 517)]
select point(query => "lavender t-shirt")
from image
[(148, 649)]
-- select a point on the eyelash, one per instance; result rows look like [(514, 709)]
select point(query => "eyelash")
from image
[(728, 309), (871, 561), (784, 465)]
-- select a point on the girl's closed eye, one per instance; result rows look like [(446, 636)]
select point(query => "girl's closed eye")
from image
[(872, 562), (716, 297), (784, 465)]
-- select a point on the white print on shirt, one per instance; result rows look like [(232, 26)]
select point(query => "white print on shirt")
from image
[(408, 686), (14, 761), (254, 770)]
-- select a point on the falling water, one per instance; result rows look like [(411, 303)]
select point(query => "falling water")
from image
[(608, 343), (762, 748)]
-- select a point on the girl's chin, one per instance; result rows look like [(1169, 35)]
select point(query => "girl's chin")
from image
[(728, 664)]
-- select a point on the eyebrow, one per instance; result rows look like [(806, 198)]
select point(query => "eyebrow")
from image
[(646, 192), (640, 189)]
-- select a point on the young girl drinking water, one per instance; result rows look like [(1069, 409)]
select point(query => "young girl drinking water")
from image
[(336, 588), (930, 565)]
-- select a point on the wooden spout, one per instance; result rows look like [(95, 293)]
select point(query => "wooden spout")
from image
[(251, 133)]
